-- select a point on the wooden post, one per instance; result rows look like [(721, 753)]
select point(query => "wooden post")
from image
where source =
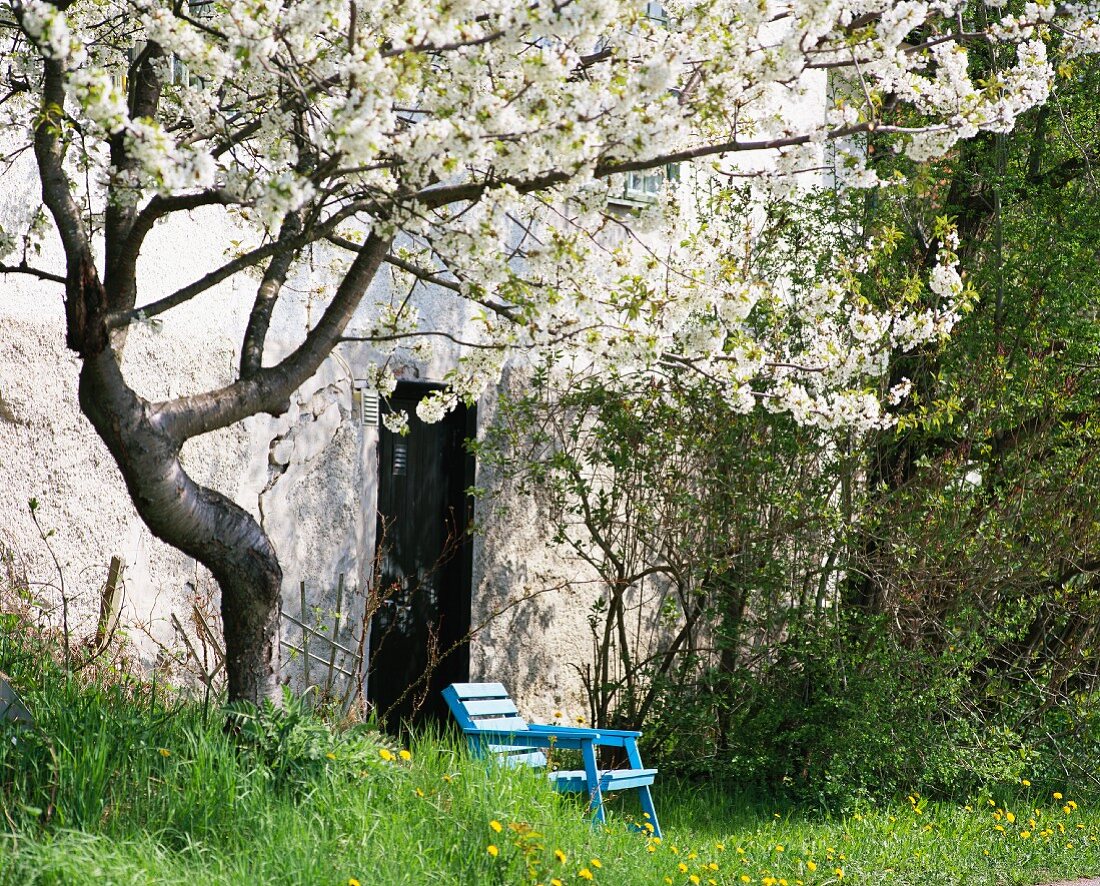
[(110, 602), (335, 632), (305, 641)]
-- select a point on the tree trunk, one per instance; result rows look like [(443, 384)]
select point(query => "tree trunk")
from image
[(199, 521)]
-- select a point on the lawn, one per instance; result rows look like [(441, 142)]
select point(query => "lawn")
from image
[(121, 782)]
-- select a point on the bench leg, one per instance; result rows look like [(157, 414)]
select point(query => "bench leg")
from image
[(649, 809), (595, 807)]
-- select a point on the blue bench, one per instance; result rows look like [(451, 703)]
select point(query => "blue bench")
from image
[(492, 725)]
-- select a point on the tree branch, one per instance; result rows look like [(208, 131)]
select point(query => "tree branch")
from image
[(24, 268), (120, 255), (267, 294), (269, 389), (436, 196), (121, 319)]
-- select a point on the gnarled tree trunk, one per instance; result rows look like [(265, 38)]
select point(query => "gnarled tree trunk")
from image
[(199, 521)]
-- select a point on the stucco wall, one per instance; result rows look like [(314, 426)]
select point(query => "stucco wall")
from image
[(309, 475)]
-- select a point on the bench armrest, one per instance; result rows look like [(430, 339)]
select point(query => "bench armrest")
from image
[(554, 729), (620, 733), (558, 738), (612, 738)]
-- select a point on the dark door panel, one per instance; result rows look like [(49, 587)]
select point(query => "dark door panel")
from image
[(423, 528)]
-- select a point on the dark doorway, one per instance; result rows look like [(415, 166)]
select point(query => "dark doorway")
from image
[(418, 635)]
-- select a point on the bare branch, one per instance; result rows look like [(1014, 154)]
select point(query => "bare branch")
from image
[(269, 389), (249, 259), (24, 268)]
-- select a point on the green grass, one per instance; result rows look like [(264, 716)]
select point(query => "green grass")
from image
[(121, 784)]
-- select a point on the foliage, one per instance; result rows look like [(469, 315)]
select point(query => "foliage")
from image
[(914, 608), (294, 746)]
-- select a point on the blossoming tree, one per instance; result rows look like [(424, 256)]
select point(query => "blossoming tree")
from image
[(473, 146)]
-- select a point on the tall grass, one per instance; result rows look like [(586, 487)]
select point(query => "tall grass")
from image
[(122, 782)]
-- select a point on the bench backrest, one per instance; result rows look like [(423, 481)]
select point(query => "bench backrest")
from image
[(488, 706)]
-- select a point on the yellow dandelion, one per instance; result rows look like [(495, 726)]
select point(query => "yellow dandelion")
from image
[(496, 826), (1025, 834), (682, 868), (713, 866), (1067, 809), (557, 715), (331, 755), (585, 874), (745, 878), (1025, 782), (779, 849), (721, 847), (839, 872), (492, 850), (668, 880), (811, 866), (694, 879), (578, 719), (419, 792), (353, 882), (560, 856), (651, 848), (1057, 795), (386, 754), (164, 752), (596, 863), (447, 778), (1009, 817), (404, 755), (554, 881)]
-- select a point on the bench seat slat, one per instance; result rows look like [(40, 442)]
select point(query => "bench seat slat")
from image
[(490, 707), (533, 760), (502, 724), (574, 781), (480, 690)]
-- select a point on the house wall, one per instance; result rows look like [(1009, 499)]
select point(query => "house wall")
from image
[(309, 476)]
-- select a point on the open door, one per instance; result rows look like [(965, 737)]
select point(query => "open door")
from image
[(418, 641)]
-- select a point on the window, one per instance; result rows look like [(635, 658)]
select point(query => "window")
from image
[(644, 188)]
